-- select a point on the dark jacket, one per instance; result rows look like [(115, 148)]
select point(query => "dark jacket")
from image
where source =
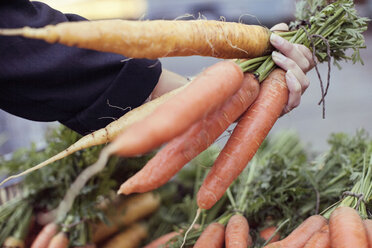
[(82, 89)]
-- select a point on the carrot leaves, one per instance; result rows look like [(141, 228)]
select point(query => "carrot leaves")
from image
[(44, 189), (285, 183), (338, 23), (330, 30)]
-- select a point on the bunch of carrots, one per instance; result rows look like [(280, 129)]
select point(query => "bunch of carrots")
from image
[(345, 224), (233, 234), (342, 225), (98, 213), (231, 228), (191, 119), (121, 224), (345, 228)]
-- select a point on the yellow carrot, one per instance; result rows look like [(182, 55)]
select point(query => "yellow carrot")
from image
[(106, 134), (157, 38), (134, 208), (129, 238)]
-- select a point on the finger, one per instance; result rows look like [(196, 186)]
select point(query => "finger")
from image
[(308, 54), (291, 51), (288, 64), (294, 88), (280, 27)]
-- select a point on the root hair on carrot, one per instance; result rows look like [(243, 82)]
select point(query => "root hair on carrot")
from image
[(129, 108), (187, 15), (249, 15), (153, 65), (210, 44), (125, 60), (191, 226), (202, 17), (234, 46), (222, 19), (80, 181)]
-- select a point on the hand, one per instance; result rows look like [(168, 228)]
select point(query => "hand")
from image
[(297, 60), (168, 81)]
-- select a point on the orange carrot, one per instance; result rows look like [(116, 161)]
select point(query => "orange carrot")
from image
[(267, 232), (237, 233), (346, 229), (159, 38), (162, 240), (169, 160), (299, 236), (246, 138), (45, 236), (368, 226), (59, 241), (320, 239), (213, 236), (106, 134), (204, 94)]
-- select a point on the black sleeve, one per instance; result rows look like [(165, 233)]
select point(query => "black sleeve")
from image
[(76, 87)]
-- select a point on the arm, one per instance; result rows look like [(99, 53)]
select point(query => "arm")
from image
[(168, 81), (83, 89)]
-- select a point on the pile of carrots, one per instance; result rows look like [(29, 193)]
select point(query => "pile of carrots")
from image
[(344, 229), (235, 234), (124, 226)]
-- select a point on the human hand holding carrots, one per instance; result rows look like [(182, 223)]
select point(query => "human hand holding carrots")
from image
[(297, 60)]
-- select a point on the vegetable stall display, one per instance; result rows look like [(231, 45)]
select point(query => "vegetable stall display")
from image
[(97, 213), (278, 189), (289, 199), (329, 31), (188, 120)]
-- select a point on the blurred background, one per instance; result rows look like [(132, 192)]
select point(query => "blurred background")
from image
[(348, 104)]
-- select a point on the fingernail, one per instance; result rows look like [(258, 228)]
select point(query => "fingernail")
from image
[(290, 76), (277, 57), (276, 39)]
